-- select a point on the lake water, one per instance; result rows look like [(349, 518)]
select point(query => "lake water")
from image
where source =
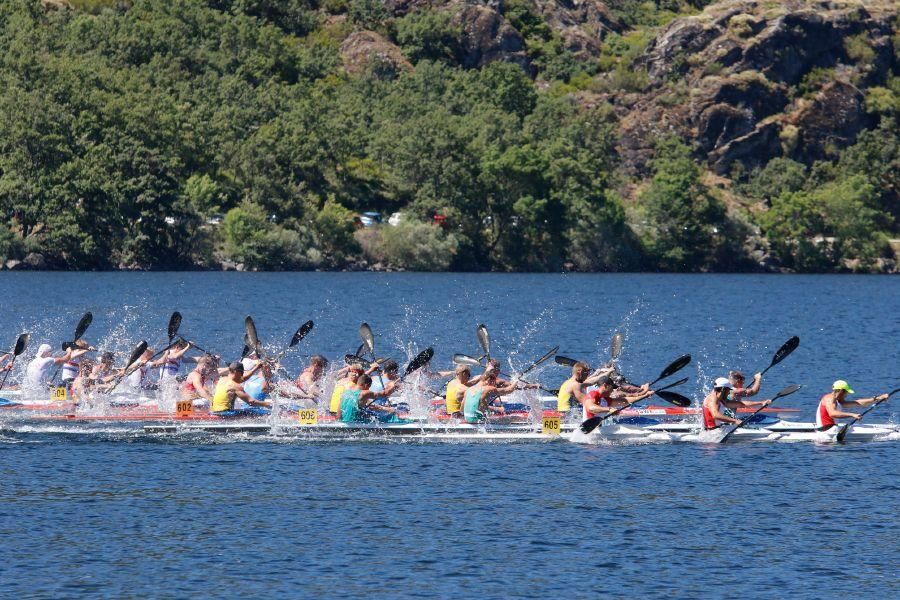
[(86, 512)]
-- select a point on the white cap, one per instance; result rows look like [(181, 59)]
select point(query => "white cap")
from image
[(44, 349), (723, 382)]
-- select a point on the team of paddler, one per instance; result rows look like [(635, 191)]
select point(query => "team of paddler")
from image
[(362, 389)]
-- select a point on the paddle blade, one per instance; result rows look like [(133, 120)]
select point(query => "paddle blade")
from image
[(352, 359), (174, 325), (361, 349), (785, 350), (462, 359), (82, 326), (419, 361), (66, 345), (484, 339), (674, 398), (564, 361), (367, 337), (786, 391), (21, 344), (591, 424), (301, 333), (615, 348), (675, 366), (252, 337), (245, 351), (136, 353)]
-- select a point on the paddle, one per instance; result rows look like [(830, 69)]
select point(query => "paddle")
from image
[(171, 331), (85, 322), (135, 355), (541, 360), (421, 359), (252, 337), (367, 337), (18, 349), (615, 348), (484, 339), (674, 398), (462, 359), (785, 392), (675, 366), (783, 352), (846, 428), (301, 333)]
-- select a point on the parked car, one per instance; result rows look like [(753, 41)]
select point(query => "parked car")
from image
[(369, 219), (215, 219)]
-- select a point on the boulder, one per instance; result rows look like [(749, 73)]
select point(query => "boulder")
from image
[(582, 24), (35, 260), (831, 121), (487, 36), (367, 49)]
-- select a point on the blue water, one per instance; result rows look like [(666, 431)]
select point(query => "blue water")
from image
[(90, 513)]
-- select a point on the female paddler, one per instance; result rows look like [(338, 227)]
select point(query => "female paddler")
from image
[(478, 401)]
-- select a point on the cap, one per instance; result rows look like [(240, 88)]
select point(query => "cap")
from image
[(43, 349), (840, 384), (722, 382)]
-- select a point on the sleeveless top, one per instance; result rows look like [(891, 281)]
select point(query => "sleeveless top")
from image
[(255, 387), (563, 399), (69, 369), (350, 412), (823, 419), (472, 405), (708, 421), (169, 368), (337, 396), (220, 396), (453, 404)]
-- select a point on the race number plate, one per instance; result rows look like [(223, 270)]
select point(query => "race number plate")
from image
[(59, 394), (184, 407), (550, 426), (308, 416)]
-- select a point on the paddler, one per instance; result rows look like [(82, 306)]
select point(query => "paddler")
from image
[(259, 384), (196, 386), (828, 410), (170, 362), (37, 373), (81, 385), (358, 402), (230, 388), (346, 382), (309, 381), (70, 368), (716, 401), (738, 390), (573, 388), (604, 398), (478, 400), (456, 390), (136, 380), (103, 371)]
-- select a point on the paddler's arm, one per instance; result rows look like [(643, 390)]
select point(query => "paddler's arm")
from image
[(718, 415), (592, 406), (367, 402), (754, 387), (64, 358), (632, 398), (863, 401), (596, 376), (252, 372), (508, 388)]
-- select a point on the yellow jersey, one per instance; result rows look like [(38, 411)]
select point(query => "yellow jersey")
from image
[(453, 403), (220, 399), (335, 404)]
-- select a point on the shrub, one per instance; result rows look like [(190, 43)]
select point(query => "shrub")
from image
[(428, 35), (418, 246)]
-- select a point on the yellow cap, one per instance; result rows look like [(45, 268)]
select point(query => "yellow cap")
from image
[(840, 384)]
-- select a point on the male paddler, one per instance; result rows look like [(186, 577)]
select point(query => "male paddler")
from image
[(358, 402), (478, 400), (38, 370), (309, 381), (828, 410), (573, 388), (230, 388), (456, 390), (717, 400), (605, 399)]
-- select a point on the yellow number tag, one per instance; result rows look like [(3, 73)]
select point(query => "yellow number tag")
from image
[(184, 407), (308, 416), (550, 426), (59, 394)]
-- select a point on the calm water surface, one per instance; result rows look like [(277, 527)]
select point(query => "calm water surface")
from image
[(87, 512)]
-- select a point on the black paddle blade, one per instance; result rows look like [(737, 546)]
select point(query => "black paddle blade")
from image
[(301, 333), (83, 324), (361, 349), (462, 359), (786, 391), (564, 361), (785, 350), (591, 424), (245, 351), (174, 324), (615, 348), (675, 366), (21, 344), (419, 361), (484, 339), (66, 345), (674, 398), (367, 337), (136, 353)]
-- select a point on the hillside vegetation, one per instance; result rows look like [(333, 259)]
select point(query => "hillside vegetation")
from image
[(502, 135)]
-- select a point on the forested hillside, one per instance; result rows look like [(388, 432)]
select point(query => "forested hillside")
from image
[(504, 135)]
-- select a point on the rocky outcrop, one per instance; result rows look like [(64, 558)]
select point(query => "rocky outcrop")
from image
[(487, 37), (369, 50), (582, 24), (739, 65)]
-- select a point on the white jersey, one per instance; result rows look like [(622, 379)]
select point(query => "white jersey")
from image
[(37, 372), (69, 369), (135, 379)]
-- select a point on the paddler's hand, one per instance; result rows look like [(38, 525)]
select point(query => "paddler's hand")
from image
[(757, 376), (766, 402), (856, 417), (881, 398)]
